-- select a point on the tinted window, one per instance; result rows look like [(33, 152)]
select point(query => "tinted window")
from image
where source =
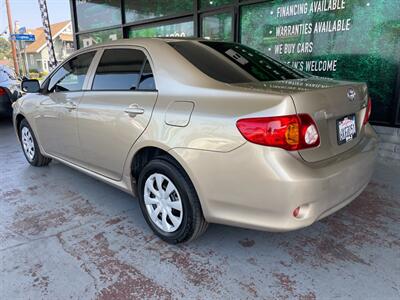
[(94, 14), (71, 76), (217, 27), (214, 3), (144, 9), (98, 37), (179, 29), (119, 69), (147, 78), (234, 63)]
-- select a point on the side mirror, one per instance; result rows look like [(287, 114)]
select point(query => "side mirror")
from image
[(30, 86)]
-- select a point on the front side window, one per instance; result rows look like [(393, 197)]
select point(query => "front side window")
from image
[(71, 76), (234, 63), (121, 70)]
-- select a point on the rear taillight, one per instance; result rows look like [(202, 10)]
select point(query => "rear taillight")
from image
[(2, 91), (293, 132), (368, 111)]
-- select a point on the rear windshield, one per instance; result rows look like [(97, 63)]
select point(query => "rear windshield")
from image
[(234, 63)]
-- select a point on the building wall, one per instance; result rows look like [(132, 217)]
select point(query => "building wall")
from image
[(33, 64), (44, 57), (58, 49), (354, 40), (39, 61)]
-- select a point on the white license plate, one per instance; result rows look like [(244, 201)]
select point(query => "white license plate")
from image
[(346, 129)]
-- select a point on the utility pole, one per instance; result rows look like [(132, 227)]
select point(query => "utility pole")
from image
[(10, 29), (19, 46)]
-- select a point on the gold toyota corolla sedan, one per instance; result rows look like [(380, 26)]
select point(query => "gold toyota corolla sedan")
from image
[(203, 132)]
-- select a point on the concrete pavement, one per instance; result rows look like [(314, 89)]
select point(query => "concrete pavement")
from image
[(64, 235)]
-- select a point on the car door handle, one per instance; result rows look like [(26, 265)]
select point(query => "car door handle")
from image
[(134, 110), (70, 105)]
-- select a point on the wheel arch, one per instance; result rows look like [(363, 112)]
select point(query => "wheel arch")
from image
[(18, 119), (146, 154), (142, 157)]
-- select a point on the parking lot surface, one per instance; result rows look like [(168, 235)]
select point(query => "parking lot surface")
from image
[(64, 235)]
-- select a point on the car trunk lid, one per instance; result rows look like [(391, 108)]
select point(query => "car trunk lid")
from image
[(327, 101)]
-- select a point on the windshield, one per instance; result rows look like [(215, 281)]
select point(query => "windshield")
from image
[(6, 74), (234, 63)]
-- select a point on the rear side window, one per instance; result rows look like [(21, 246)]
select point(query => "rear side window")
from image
[(147, 79), (234, 63), (71, 76), (123, 70)]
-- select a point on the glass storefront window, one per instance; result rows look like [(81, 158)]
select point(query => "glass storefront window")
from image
[(217, 27), (95, 14), (214, 3), (89, 39), (145, 9), (353, 41), (183, 29)]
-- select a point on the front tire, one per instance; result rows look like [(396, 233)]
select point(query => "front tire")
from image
[(169, 202), (30, 146)]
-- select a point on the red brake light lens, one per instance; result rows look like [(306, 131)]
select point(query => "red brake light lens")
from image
[(292, 132), (368, 111), (2, 91)]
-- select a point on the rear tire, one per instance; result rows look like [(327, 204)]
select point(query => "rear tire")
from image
[(30, 147), (177, 199)]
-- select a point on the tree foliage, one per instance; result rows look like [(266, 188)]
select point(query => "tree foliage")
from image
[(5, 49)]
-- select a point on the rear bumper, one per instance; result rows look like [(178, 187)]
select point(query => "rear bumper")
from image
[(259, 187)]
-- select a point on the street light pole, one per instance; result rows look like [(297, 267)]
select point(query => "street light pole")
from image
[(10, 29)]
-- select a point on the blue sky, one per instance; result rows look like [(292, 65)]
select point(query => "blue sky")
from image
[(27, 12)]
